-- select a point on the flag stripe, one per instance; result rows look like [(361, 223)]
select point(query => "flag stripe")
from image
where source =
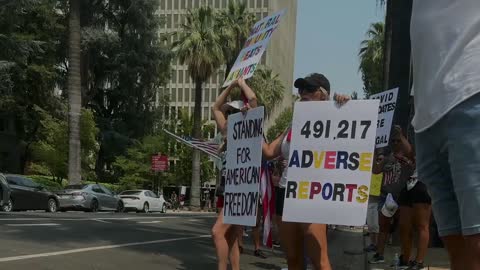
[(209, 148)]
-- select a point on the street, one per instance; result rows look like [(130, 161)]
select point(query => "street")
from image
[(104, 241)]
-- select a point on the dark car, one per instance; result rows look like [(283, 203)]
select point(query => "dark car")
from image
[(28, 195), (4, 190)]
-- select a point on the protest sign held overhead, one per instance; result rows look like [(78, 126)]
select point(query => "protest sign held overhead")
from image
[(386, 110), (243, 168), (330, 164), (254, 48)]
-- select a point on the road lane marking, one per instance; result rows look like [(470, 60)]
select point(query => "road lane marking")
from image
[(79, 250), (32, 224), (149, 222), (102, 221)]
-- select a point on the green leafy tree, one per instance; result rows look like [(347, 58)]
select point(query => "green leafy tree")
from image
[(371, 59), (269, 89), (50, 153), (283, 121), (199, 48), (233, 27)]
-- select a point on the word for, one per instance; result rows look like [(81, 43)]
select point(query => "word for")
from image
[(238, 176), (305, 190), (346, 129), (240, 204), (244, 71), (264, 25), (243, 155), (332, 160), (251, 53), (247, 129)]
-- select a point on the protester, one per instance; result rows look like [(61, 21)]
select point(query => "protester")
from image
[(296, 236), (415, 212), (225, 236), (445, 38), (372, 212), (174, 200), (255, 237), (397, 169)]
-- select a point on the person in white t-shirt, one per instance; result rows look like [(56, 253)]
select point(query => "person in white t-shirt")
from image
[(445, 36)]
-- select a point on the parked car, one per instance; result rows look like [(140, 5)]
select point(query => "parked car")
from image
[(4, 190), (143, 200), (89, 197), (28, 195)]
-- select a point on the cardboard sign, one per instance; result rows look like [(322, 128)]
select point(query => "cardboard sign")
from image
[(376, 184), (243, 168), (330, 164), (386, 110), (254, 48)]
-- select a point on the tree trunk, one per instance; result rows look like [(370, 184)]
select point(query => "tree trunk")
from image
[(197, 133), (74, 94)]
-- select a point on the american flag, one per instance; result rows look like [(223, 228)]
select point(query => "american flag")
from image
[(208, 147), (268, 203)]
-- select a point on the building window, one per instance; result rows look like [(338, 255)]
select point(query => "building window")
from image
[(180, 76), (162, 5), (224, 3), (187, 95), (180, 95), (217, 3), (265, 3), (210, 3), (207, 95), (169, 4), (205, 113), (193, 95), (214, 95), (259, 16), (176, 22), (174, 76), (169, 21), (196, 3), (265, 14), (259, 3), (263, 61), (174, 95), (252, 3), (176, 4)]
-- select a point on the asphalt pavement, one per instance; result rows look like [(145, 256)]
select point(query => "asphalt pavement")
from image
[(114, 241)]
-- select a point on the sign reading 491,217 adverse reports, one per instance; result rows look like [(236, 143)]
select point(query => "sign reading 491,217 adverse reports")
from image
[(330, 164)]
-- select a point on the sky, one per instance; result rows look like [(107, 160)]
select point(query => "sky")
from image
[(328, 39)]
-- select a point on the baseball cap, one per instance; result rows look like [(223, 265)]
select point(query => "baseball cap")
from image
[(389, 207), (313, 82), (235, 104)]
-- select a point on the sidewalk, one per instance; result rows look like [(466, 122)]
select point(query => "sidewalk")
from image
[(437, 258)]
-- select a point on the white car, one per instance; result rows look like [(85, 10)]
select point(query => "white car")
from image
[(143, 200)]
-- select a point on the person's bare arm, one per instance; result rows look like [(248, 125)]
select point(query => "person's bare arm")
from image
[(218, 114), (273, 150), (248, 92)]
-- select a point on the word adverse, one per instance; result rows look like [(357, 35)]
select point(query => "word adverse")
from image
[(331, 160)]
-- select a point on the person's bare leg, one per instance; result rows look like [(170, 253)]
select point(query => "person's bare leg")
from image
[(406, 226), (472, 248), (219, 232), (317, 246), (457, 251), (256, 233), (233, 238), (384, 223), (422, 213), (373, 238), (291, 235)]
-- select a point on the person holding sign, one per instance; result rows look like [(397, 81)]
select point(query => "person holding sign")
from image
[(225, 236), (295, 237)]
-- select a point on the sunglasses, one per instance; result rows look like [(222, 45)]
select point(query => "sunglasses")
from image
[(308, 90)]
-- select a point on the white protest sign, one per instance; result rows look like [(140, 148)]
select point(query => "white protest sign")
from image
[(243, 168), (330, 164), (254, 47), (386, 110)]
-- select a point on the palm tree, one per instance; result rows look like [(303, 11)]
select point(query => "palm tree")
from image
[(200, 49), (371, 59), (233, 27), (268, 88), (74, 94)]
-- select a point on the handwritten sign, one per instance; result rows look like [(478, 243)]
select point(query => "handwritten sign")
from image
[(243, 168), (254, 48), (386, 110), (330, 164)]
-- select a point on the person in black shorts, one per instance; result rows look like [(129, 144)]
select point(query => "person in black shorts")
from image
[(415, 211)]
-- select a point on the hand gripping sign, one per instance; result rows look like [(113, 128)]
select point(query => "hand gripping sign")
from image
[(330, 164)]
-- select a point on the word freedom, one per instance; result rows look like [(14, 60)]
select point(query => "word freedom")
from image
[(241, 204), (247, 129)]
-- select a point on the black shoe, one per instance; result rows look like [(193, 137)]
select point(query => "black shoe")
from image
[(276, 244), (376, 259), (416, 266), (370, 248), (259, 253)]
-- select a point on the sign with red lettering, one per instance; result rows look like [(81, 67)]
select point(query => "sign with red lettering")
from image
[(159, 163), (254, 48), (330, 165)]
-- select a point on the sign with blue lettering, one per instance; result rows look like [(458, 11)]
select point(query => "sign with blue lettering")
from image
[(243, 168)]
